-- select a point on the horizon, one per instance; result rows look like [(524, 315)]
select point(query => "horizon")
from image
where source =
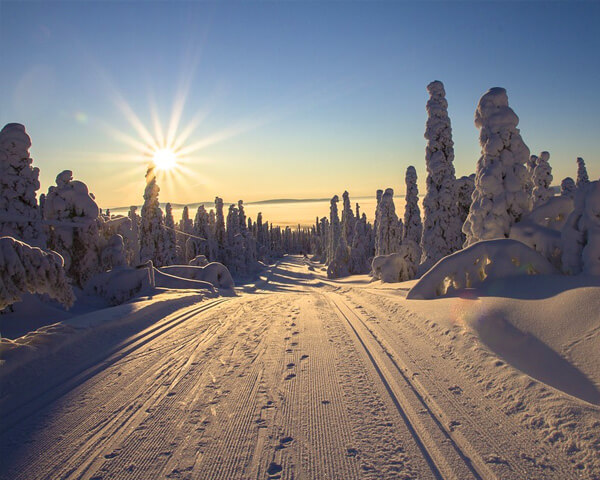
[(292, 100)]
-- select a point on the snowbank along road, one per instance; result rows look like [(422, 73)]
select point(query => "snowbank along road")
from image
[(296, 378)]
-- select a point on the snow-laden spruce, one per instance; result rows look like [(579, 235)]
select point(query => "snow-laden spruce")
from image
[(219, 231), (500, 197), (135, 233), (542, 179), (73, 218), (169, 238), (464, 191), (348, 218), (581, 233), (27, 269), (477, 264), (568, 187), (582, 175), (413, 227), (360, 251), (19, 213), (338, 258), (151, 224), (388, 234), (441, 226)]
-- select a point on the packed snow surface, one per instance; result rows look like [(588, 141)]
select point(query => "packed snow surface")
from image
[(301, 376)]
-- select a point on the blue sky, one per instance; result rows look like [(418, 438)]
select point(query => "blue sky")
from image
[(295, 99)]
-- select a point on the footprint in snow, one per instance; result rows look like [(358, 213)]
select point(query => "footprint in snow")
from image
[(284, 443), (290, 365), (274, 470), (290, 376), (304, 357)]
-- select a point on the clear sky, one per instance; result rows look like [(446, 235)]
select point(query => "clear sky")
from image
[(288, 99)]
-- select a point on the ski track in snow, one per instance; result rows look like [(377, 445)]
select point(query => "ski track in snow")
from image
[(302, 379)]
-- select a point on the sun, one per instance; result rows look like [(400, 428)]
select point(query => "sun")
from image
[(165, 159)]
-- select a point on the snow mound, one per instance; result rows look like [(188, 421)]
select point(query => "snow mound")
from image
[(483, 261), (198, 261), (216, 274), (30, 269), (397, 267), (119, 284)]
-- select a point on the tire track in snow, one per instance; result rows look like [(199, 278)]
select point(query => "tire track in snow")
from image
[(444, 455)]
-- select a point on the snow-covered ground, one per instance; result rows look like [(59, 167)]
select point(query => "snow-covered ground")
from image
[(303, 377)]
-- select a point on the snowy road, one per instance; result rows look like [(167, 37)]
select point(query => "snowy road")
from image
[(299, 379)]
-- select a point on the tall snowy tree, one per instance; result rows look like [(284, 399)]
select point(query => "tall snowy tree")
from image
[(582, 175), (347, 218), (134, 256), (359, 250), (500, 198), (542, 179), (338, 257), (20, 216), (219, 230), (413, 227), (151, 224), (73, 218), (441, 227), (464, 190), (530, 166), (335, 231), (169, 240), (388, 236)]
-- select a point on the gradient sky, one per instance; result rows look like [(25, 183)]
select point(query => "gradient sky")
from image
[(300, 99)]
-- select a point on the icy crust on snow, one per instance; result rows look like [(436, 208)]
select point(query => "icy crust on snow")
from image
[(26, 269), (500, 198), (399, 266), (483, 261), (19, 181), (581, 233)]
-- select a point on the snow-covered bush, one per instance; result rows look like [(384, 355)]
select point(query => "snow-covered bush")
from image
[(441, 226), (397, 267), (19, 213), (581, 233), (388, 234), (500, 198), (27, 269), (151, 225), (113, 253), (568, 187), (413, 227), (120, 284), (73, 218), (542, 179), (582, 175), (552, 214), (478, 264)]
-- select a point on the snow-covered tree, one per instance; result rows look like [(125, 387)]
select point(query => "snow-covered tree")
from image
[(134, 246), (338, 256), (441, 226), (73, 218), (413, 227), (464, 191), (568, 187), (169, 239), (530, 166), (388, 236), (348, 219), (20, 216), (542, 179), (334, 229), (500, 198), (582, 175), (219, 230), (27, 269), (151, 225), (581, 233), (360, 253)]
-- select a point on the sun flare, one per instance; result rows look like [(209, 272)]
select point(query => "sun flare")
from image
[(165, 159)]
